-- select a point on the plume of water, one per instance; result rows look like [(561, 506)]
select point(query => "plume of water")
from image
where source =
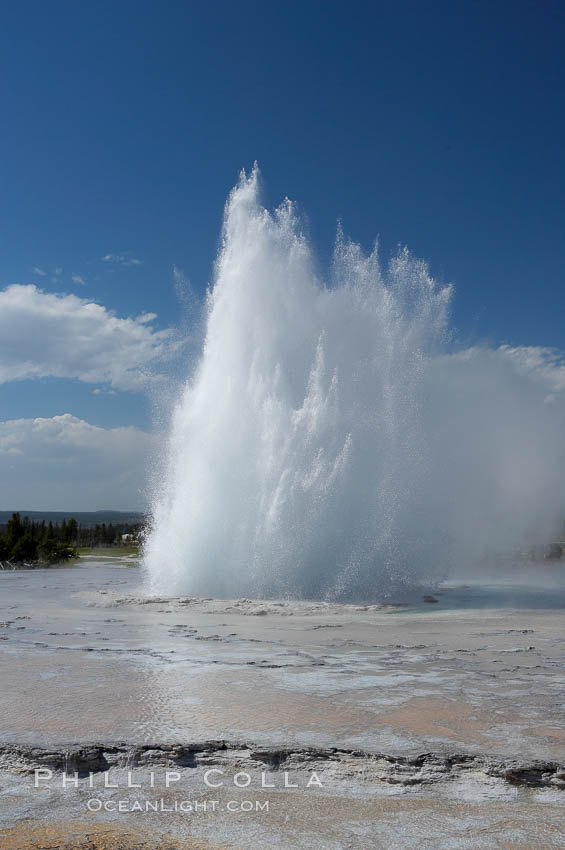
[(329, 444)]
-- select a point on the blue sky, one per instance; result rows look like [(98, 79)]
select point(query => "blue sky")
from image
[(124, 125)]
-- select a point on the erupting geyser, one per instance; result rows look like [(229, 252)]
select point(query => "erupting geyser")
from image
[(331, 443)]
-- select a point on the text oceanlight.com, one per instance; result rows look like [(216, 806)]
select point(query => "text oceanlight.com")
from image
[(188, 807)]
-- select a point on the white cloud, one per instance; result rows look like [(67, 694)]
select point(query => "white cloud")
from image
[(39, 272), (547, 364), (121, 260), (64, 461), (76, 278), (43, 334), (545, 367)]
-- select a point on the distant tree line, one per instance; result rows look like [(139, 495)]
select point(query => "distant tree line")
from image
[(105, 534), (25, 541)]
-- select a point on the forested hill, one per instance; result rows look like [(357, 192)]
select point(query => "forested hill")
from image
[(84, 518)]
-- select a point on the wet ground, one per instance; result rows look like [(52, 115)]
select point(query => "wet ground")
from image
[(423, 724)]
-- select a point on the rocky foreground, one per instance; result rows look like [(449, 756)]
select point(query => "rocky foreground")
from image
[(243, 724)]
